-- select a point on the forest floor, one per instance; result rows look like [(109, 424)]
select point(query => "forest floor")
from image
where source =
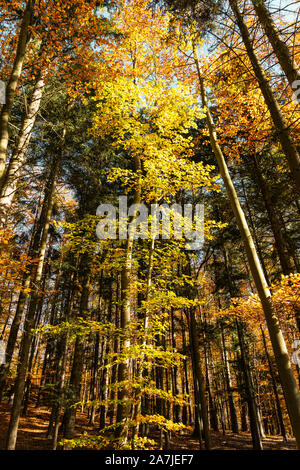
[(33, 427)]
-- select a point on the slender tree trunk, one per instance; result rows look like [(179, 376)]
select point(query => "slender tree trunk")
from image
[(255, 237), (281, 127), (174, 372), (95, 366), (289, 384), (114, 374), (252, 405), (23, 296), (69, 419), (186, 388), (279, 45), (29, 321), (58, 352), (11, 176), (200, 378), (211, 402), (123, 369), (274, 385), (105, 377), (232, 410), (280, 242), (49, 344), (13, 82), (62, 364), (140, 368)]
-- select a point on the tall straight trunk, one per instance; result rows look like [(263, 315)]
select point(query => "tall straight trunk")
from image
[(198, 424), (49, 344), (211, 401), (35, 343), (212, 407), (159, 408), (105, 376), (62, 364), (280, 241), (140, 367), (29, 320), (282, 129), (255, 237), (200, 379), (13, 82), (58, 352), (187, 410), (23, 296), (114, 372), (290, 242), (95, 363), (11, 176), (245, 368), (274, 385), (69, 419), (13, 334), (244, 421), (123, 368), (161, 404), (174, 372), (250, 393), (7, 317), (289, 384), (233, 416), (280, 47), (34, 350)]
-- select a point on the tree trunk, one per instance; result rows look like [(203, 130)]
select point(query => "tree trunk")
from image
[(250, 394), (23, 296), (11, 176), (280, 242), (123, 369), (274, 385), (29, 321), (232, 410), (78, 358), (140, 367), (13, 82), (281, 127), (289, 384), (200, 378), (279, 45)]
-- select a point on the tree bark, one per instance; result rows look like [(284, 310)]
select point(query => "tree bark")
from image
[(274, 385), (200, 378), (69, 419), (280, 242), (281, 127), (13, 82), (23, 296), (29, 321), (279, 45), (11, 176), (250, 393), (123, 369), (289, 384), (232, 410)]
